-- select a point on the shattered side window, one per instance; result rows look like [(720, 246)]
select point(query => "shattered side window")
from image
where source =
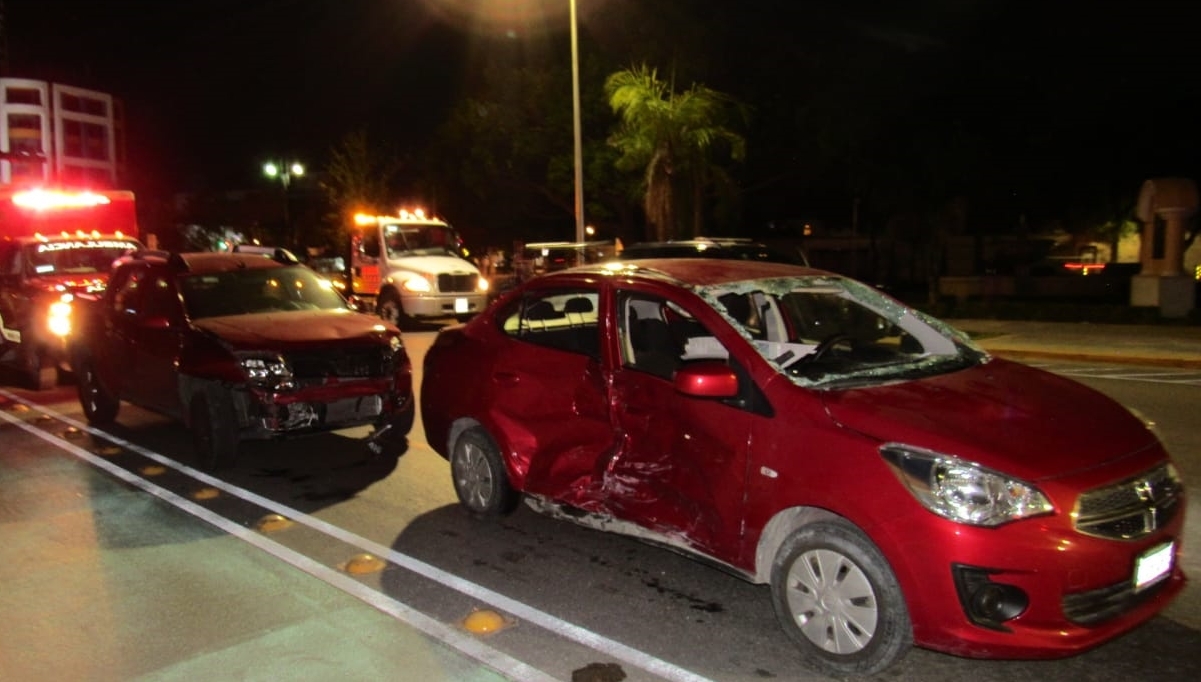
[(830, 332), (658, 336)]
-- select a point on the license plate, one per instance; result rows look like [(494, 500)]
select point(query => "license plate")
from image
[(461, 305), (1153, 566)]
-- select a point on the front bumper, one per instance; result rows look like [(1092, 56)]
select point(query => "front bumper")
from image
[(1079, 589), (443, 305), (266, 414)]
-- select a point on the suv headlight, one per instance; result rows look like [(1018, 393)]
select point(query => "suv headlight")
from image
[(266, 371), (962, 491)]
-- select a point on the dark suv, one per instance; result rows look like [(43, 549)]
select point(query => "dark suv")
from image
[(238, 346), (711, 247)]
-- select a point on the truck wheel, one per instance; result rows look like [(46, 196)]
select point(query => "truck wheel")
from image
[(32, 376), (214, 430), (99, 405), (479, 475), (837, 599), (390, 309)]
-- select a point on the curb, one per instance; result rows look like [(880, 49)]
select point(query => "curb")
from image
[(1177, 363)]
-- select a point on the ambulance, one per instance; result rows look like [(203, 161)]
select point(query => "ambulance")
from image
[(54, 243), (409, 267)]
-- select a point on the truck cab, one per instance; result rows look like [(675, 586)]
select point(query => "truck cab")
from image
[(54, 244), (410, 267)]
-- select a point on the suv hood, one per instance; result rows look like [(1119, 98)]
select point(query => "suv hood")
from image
[(433, 265), (295, 329), (1003, 415)]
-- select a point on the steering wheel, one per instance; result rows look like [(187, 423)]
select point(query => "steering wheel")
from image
[(787, 360), (826, 344)]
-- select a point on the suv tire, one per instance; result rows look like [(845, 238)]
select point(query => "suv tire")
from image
[(99, 405), (214, 429)]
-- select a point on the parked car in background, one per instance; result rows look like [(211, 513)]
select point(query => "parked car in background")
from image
[(238, 346), (891, 481), (537, 258), (711, 247)]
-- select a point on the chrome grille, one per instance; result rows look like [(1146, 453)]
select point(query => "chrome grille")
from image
[(1131, 509), (355, 363), (464, 283)]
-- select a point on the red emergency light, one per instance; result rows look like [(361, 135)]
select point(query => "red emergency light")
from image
[(50, 211), (45, 199)]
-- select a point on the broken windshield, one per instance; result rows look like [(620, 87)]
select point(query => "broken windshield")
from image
[(825, 331)]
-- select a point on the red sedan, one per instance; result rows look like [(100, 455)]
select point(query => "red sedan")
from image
[(892, 482)]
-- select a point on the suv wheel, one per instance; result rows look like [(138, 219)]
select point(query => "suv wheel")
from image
[(836, 598), (99, 405), (214, 430), (31, 371)]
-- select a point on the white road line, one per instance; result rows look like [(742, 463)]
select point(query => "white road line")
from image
[(1180, 378), (530, 614)]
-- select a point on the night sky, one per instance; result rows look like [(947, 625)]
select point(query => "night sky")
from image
[(1102, 90)]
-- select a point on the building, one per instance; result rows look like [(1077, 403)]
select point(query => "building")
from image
[(52, 133)]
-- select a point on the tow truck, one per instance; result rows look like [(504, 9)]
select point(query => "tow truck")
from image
[(410, 266), (54, 244)]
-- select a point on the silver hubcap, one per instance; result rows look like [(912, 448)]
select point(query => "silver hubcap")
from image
[(473, 476), (831, 601)]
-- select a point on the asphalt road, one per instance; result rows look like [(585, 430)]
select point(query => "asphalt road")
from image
[(313, 561)]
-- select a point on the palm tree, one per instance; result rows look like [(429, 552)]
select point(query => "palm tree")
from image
[(673, 137)]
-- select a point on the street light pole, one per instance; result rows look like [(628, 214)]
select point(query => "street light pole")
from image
[(579, 145), (285, 172)]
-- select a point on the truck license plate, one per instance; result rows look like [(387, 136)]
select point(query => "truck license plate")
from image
[(1153, 566), (461, 305)]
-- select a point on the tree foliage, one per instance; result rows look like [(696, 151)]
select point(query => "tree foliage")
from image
[(680, 142), (359, 177)]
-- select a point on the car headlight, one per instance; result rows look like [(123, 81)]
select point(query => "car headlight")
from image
[(482, 285), (266, 371), (417, 283), (962, 491)]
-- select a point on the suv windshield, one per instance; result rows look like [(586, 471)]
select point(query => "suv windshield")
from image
[(74, 256), (425, 240), (242, 292), (833, 332)]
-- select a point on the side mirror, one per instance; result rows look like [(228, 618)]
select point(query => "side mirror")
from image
[(707, 379)]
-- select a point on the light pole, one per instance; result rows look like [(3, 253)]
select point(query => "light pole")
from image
[(579, 145), (284, 173)]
